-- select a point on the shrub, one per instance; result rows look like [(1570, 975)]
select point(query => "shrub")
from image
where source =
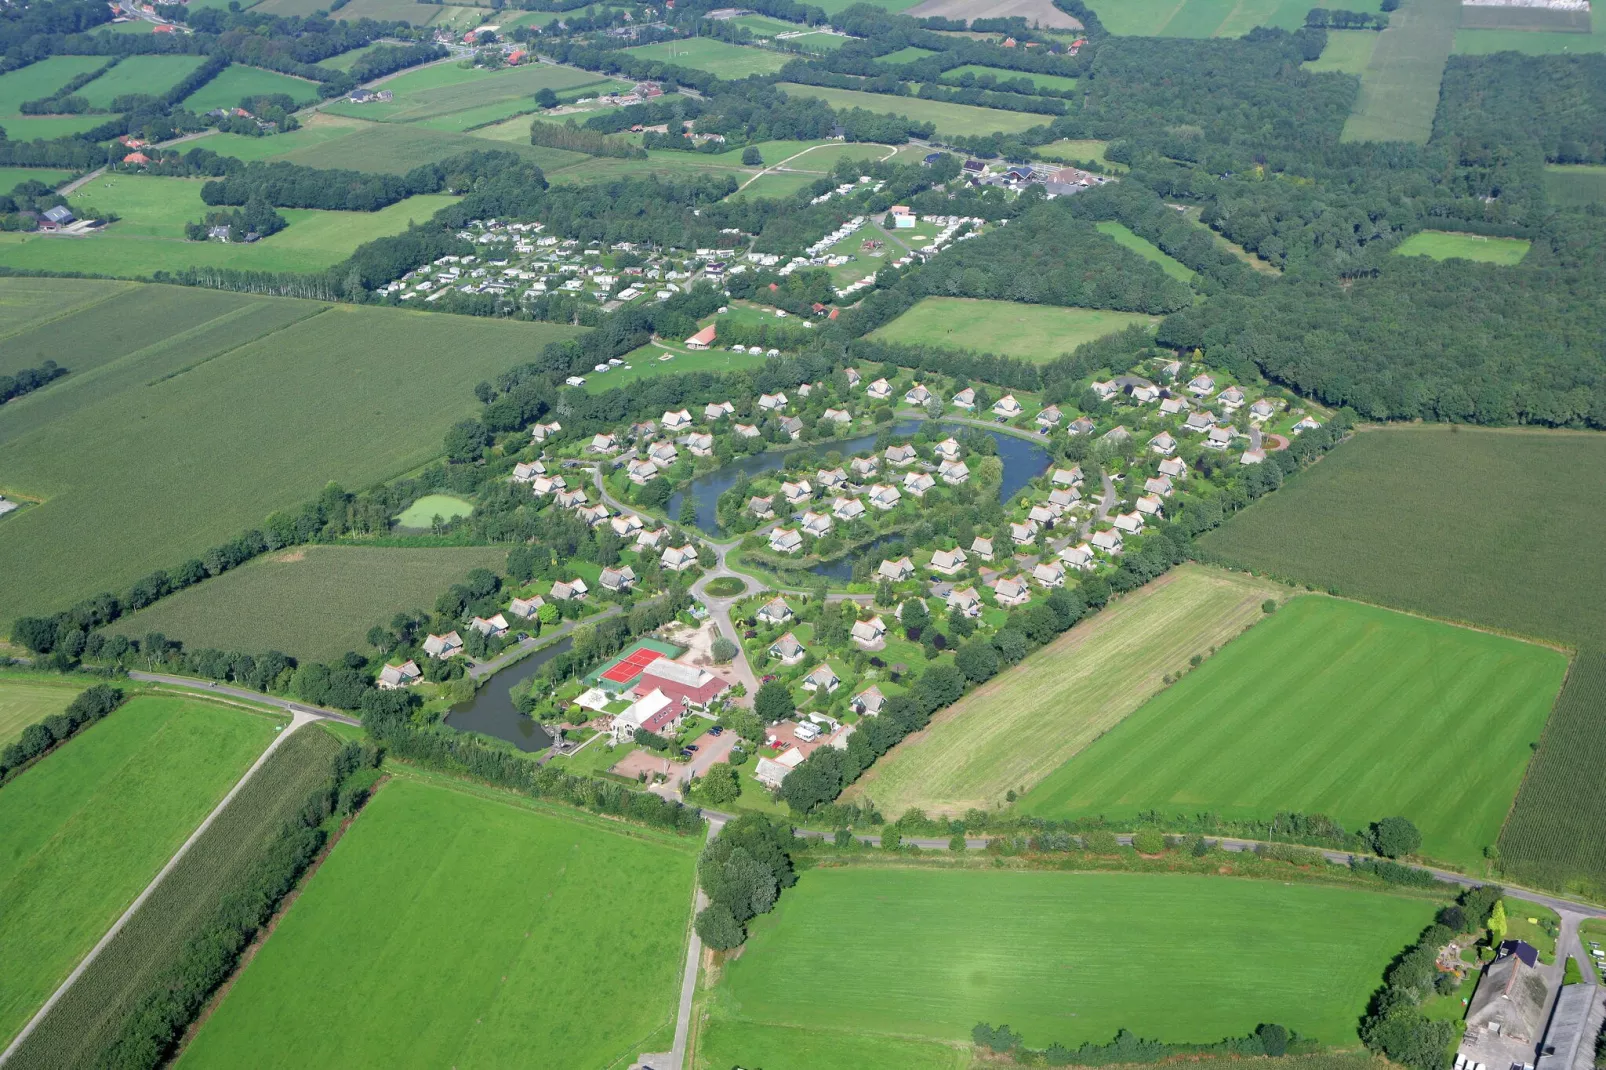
[(1101, 842), (1149, 842), (1395, 837)]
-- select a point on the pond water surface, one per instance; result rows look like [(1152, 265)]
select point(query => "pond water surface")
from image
[(492, 712)]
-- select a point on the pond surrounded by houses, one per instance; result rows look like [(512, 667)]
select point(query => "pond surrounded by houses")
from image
[(491, 710)]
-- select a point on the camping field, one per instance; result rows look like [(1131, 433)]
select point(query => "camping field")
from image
[(493, 930), (1061, 957), (321, 393), (312, 602), (1336, 708), (1038, 333), (716, 57), (139, 74), (88, 826), (1445, 245), (29, 699), (948, 118), (239, 81), (1029, 720)]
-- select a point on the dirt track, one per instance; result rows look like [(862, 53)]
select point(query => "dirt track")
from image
[(1039, 12)]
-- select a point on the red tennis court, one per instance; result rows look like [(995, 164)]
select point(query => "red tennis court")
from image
[(630, 666)]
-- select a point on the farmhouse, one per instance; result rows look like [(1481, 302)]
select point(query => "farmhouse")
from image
[(392, 677), (443, 646), (1506, 1016), (775, 611), (895, 571), (948, 562), (786, 541)]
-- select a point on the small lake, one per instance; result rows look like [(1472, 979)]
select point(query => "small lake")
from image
[(1023, 460), (491, 710)]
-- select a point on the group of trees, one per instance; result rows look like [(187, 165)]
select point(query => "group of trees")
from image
[(256, 218), (743, 873), (86, 708), (27, 380), (572, 137), (1268, 1039)]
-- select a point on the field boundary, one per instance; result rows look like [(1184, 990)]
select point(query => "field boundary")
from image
[(121, 286), (231, 314)]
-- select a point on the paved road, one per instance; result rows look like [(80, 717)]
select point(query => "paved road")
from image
[(206, 687), (481, 669), (298, 718), (676, 1058)]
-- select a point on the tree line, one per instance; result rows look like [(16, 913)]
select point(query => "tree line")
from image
[(1268, 1039), (27, 380), (41, 737)]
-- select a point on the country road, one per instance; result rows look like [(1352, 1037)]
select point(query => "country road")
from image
[(206, 687)]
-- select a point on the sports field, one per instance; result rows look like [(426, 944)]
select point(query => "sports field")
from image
[(457, 929), (314, 602), (1038, 333), (716, 57), (1334, 708), (148, 75), (444, 89), (1042, 81), (84, 830), (948, 118), (1060, 957), (347, 393), (239, 81), (1575, 184), (618, 673), (1400, 85), (1031, 719), (1122, 235), (29, 699), (1446, 245), (90, 1016), (41, 79), (1347, 52)]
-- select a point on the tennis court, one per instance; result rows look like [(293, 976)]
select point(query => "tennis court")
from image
[(619, 673)]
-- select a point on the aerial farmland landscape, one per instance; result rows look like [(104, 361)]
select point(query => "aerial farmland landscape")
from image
[(860, 535)]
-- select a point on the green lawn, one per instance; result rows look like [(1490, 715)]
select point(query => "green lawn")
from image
[(150, 75), (454, 929), (1042, 81), (239, 81), (1445, 245), (777, 185), (422, 513), (314, 602), (445, 89), (1146, 249), (1335, 708), (30, 128), (716, 57), (1575, 184), (26, 700), (1400, 85), (1061, 957), (168, 385), (905, 55), (11, 177), (948, 118), (1038, 333), (83, 831), (42, 79), (644, 364), (1347, 51)]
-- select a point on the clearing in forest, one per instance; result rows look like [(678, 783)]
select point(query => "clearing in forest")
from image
[(1038, 333), (963, 119), (1447, 245)]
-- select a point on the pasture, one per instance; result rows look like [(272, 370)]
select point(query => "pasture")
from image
[(948, 118), (777, 184), (1400, 85), (716, 57), (312, 602), (1122, 235), (29, 699), (12, 177), (1347, 52), (1072, 150), (85, 829), (1203, 18), (1574, 185), (1041, 81), (1333, 708), (42, 79), (347, 393), (239, 81), (32, 128), (1448, 245), (397, 148), (1062, 957), (445, 89), (89, 1017), (149, 75), (1038, 333), (451, 928), (1028, 721)]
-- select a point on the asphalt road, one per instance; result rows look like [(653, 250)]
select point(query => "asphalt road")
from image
[(207, 687)]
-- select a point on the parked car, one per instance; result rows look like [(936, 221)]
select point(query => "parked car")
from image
[(717, 730), (691, 748)]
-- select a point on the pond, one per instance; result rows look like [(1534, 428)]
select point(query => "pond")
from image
[(491, 710), (1023, 460)]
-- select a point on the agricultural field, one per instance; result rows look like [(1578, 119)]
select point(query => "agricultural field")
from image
[(1533, 32), (714, 56), (1347, 52), (1062, 957), (1203, 18), (1122, 235), (343, 393), (12, 177), (777, 184), (1447, 245), (1029, 720), (239, 81), (29, 699), (478, 918), (948, 118), (665, 163), (1041, 81), (85, 829), (396, 148), (26, 302), (316, 130), (1333, 708), (445, 89), (139, 74), (88, 1018), (1038, 333), (1573, 185), (1071, 150), (312, 602), (41, 79), (1400, 85), (31, 128)]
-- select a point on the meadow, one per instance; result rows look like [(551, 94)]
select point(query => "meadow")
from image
[(347, 393), (1335, 708), (1533, 33), (1347, 52), (1041, 81), (450, 928), (444, 89), (1061, 957), (42, 79), (777, 184), (89, 1017), (716, 57), (312, 602), (11, 177), (1070, 150), (422, 513), (1400, 85), (1203, 18), (1575, 184), (397, 148), (239, 81), (948, 118), (139, 74), (47, 128), (1446, 245), (1038, 333), (29, 699), (1122, 235), (85, 829), (1028, 721)]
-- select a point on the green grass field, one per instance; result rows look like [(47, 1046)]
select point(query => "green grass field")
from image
[(1446, 245), (1203, 18), (1400, 85), (644, 364), (1145, 248), (714, 56), (1347, 52), (777, 185), (239, 81), (1534, 34), (84, 830), (445, 89), (397, 148), (1060, 957), (167, 384), (1042, 81), (150, 235), (347, 60), (455, 929), (313, 602), (948, 118), (29, 699), (28, 302), (1038, 333), (41, 79), (1574, 185), (150, 75), (49, 128), (422, 513), (1335, 708), (905, 55), (11, 177), (91, 1014), (1028, 721)]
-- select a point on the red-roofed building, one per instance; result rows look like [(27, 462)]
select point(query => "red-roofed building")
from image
[(136, 158), (162, 27), (835, 312), (516, 57), (702, 339), (690, 685)]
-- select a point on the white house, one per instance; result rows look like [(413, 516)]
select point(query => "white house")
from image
[(916, 395), (1160, 485), (880, 390), (443, 646), (902, 456), (1078, 557), (1049, 574), (917, 483), (676, 421), (772, 402), (699, 443), (868, 633), (864, 467), (1219, 438), (1232, 399), (948, 562), (717, 410), (492, 627), (641, 472), (526, 608), (787, 650), (830, 479), (1163, 444), (1151, 505), (896, 571), (1201, 386), (982, 547), (774, 612), (542, 432), (1023, 532), (763, 508), (392, 677), (847, 509), (655, 712), (679, 558), (1007, 407), (947, 449), (821, 678), (1011, 592), (965, 399), (816, 525), (954, 473), (1107, 541), (1129, 523), (526, 471), (618, 579), (603, 444), (868, 702), (786, 541), (797, 493), (1174, 468), (967, 601), (1049, 418), (1067, 477)]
